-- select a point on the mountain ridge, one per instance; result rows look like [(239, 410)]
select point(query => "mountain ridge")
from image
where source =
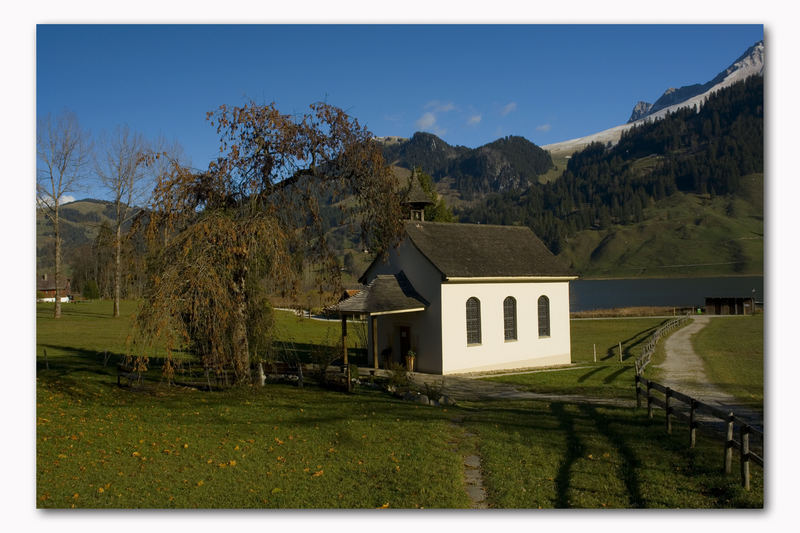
[(749, 63)]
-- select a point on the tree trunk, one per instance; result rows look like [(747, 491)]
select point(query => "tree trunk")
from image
[(57, 273), (262, 378), (241, 348), (117, 266)]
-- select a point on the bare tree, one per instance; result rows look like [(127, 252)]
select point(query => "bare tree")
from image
[(63, 151), (120, 164)]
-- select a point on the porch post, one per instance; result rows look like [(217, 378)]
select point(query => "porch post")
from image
[(374, 341), (344, 338)]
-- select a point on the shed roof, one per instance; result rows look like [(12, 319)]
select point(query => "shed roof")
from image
[(387, 293), (480, 250), (50, 284)]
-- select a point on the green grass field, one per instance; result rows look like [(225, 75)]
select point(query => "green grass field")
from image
[(102, 446)]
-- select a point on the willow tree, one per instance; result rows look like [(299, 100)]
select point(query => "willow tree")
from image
[(225, 236)]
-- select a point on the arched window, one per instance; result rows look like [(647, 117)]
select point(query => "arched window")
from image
[(510, 318), (544, 316), (473, 321)]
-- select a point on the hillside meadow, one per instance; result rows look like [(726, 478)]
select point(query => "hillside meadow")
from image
[(157, 446), (683, 235)]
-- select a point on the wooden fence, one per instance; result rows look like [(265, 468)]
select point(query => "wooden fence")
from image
[(649, 349), (695, 407)]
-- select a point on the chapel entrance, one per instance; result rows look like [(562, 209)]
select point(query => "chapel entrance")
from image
[(405, 343)]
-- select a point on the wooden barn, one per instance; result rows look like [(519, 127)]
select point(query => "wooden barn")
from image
[(46, 290), (730, 306)]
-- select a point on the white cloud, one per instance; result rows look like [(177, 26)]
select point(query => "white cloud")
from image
[(474, 120), (508, 108), (426, 121), (543, 127), (44, 200), (440, 107)]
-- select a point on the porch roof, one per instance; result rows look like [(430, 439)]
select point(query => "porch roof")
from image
[(386, 294)]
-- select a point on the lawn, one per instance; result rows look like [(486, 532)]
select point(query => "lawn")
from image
[(554, 455), (99, 446), (87, 328), (607, 378), (154, 446)]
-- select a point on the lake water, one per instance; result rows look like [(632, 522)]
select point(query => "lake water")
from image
[(586, 295)]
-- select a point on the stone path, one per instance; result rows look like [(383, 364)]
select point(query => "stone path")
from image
[(462, 388), (473, 478)]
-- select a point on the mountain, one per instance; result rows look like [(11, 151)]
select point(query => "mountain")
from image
[(748, 64), (679, 196), (508, 164), (86, 244), (751, 62)]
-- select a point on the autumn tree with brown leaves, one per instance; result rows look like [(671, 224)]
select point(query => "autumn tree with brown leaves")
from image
[(224, 238)]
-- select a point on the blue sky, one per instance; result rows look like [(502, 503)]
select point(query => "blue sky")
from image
[(469, 84)]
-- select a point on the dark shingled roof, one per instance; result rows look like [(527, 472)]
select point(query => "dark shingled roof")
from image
[(385, 293), (479, 250), (416, 196), (50, 284)]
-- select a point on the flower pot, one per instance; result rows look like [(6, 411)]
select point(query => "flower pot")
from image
[(410, 363)]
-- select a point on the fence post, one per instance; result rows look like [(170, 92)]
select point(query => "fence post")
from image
[(594, 349), (620, 351), (745, 457), (729, 444), (668, 409), (649, 403), (692, 424), (638, 394)]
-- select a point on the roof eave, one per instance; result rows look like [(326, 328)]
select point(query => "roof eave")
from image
[(507, 279)]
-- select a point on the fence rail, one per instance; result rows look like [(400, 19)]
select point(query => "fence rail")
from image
[(643, 360), (646, 387)]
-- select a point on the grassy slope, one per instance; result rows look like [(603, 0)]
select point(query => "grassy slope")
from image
[(684, 235), (102, 446)]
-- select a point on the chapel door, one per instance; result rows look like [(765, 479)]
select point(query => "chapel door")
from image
[(405, 343)]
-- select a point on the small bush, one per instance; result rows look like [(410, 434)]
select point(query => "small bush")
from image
[(398, 376), (322, 356), (90, 290)]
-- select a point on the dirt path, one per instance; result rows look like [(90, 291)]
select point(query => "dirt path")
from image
[(683, 371)]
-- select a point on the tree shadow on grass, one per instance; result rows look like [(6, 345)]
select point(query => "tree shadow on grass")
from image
[(631, 342), (630, 462), (590, 373), (77, 360), (611, 378), (574, 450)]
